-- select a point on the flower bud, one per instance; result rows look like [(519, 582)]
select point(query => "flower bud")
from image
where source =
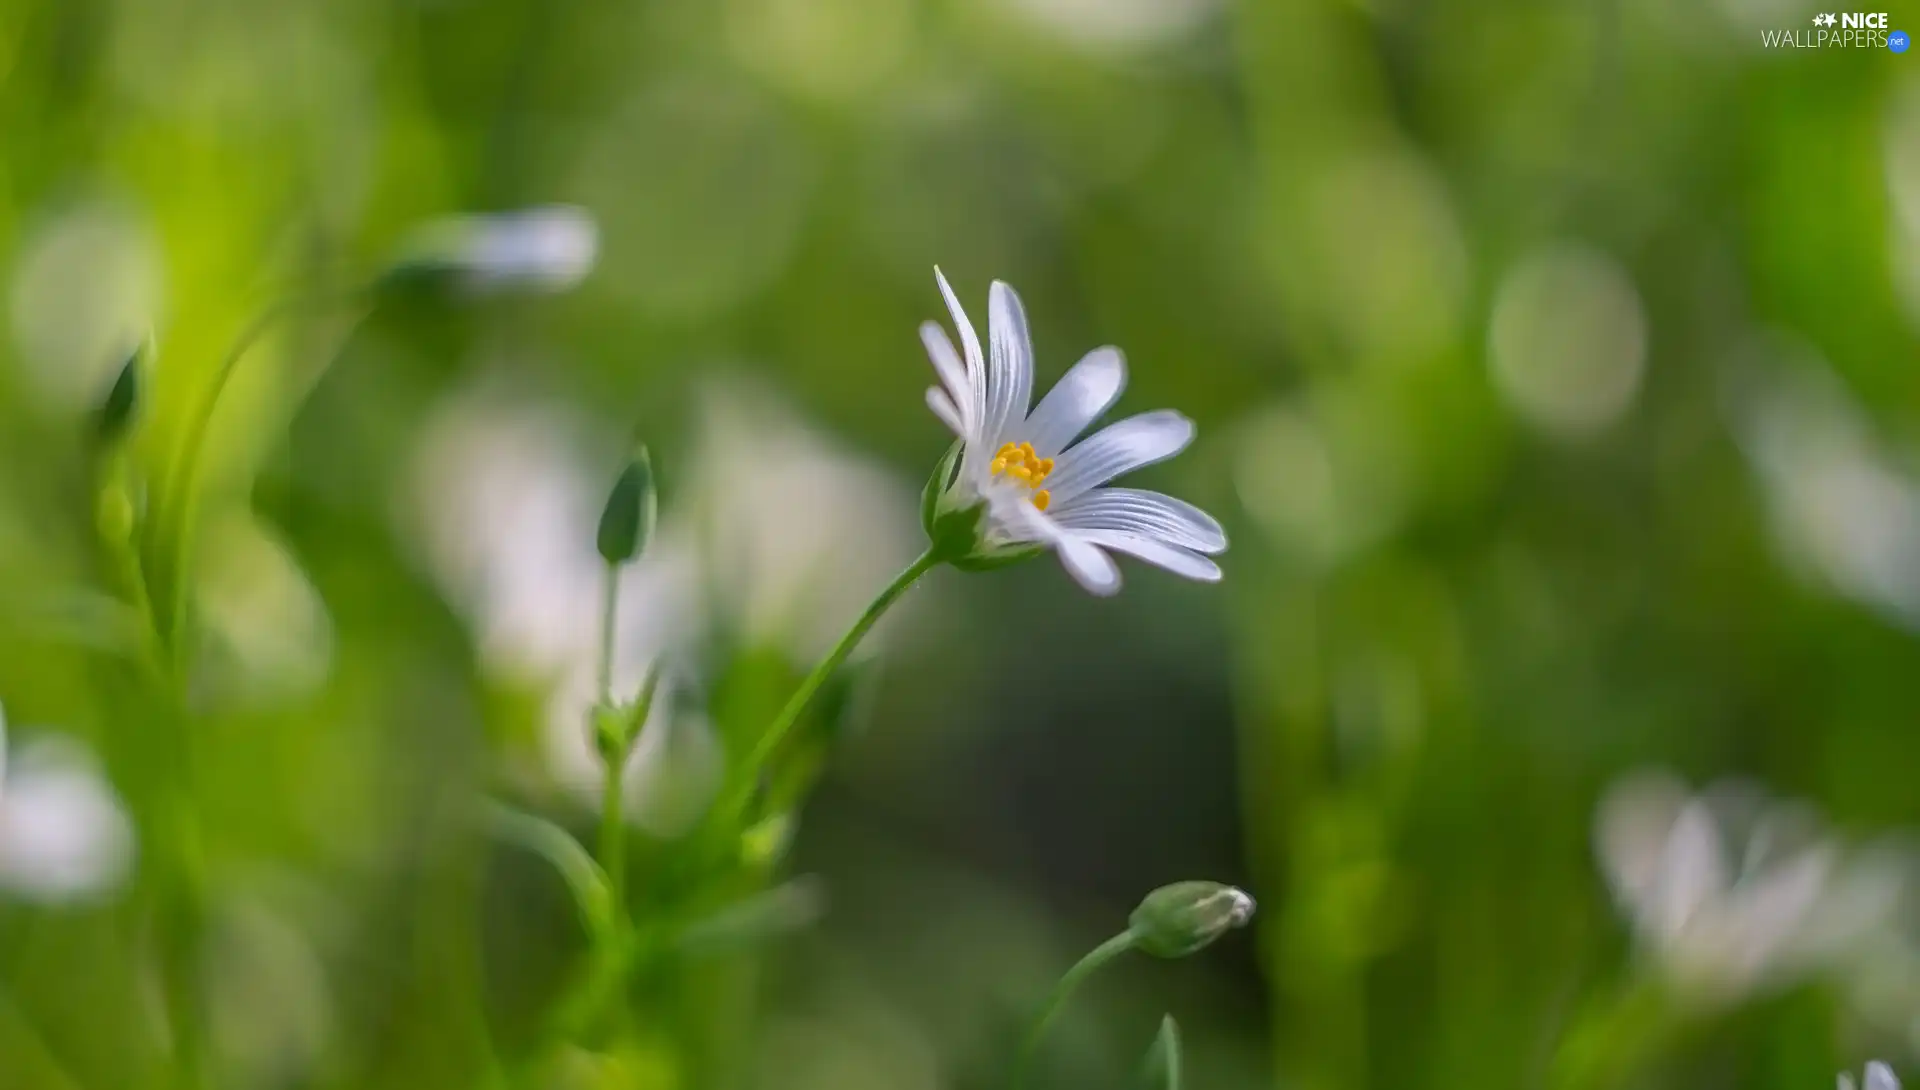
[(1177, 920), (610, 735), (113, 514), (766, 843), (116, 413), (626, 523)]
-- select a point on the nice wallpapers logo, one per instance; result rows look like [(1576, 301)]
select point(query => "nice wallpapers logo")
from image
[(1847, 30)]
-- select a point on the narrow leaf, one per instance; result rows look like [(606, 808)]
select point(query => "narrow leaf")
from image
[(1163, 1059), (584, 878)]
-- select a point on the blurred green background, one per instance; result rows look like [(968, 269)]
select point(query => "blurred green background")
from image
[(1555, 372)]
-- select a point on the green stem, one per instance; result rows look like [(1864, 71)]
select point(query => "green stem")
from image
[(176, 897), (1069, 981), (183, 473), (796, 705), (613, 831)]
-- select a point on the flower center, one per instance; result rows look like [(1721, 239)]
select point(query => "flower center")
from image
[(1018, 463)]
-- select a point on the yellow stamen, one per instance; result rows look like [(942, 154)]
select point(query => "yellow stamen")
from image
[(1020, 462), (1042, 498)]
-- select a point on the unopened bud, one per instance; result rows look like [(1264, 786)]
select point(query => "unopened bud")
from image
[(765, 843), (116, 412), (113, 514), (610, 733), (1177, 920), (626, 523)]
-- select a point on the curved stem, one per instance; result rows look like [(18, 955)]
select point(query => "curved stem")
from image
[(1070, 980), (184, 471), (776, 733)]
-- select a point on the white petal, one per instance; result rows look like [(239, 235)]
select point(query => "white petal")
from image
[(1770, 912), (947, 362), (1088, 389), (1880, 1077), (1010, 364), (1631, 830), (1119, 448), (1156, 552), (1844, 1082), (1022, 521), (970, 341), (1693, 871), (1089, 567), (943, 407), (1137, 511)]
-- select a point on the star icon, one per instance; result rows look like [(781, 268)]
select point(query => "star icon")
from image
[(1828, 18)]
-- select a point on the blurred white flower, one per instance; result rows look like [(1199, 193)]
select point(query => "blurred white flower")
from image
[(1117, 24), (1568, 340), (269, 1002), (1730, 893), (260, 607), (1882, 977), (87, 280), (1879, 1077), (1842, 502), (775, 537), (541, 249), (1324, 473), (63, 834), (1039, 487)]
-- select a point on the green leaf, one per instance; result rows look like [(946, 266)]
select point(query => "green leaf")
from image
[(757, 919), (75, 616), (626, 523), (1164, 1058), (584, 878)]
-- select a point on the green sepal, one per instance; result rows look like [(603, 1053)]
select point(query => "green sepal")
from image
[(998, 558), (616, 727), (936, 487), (955, 534)]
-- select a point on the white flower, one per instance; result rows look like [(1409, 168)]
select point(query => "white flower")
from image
[(1879, 1077), (542, 249), (1023, 482), (63, 835), (1785, 901)]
